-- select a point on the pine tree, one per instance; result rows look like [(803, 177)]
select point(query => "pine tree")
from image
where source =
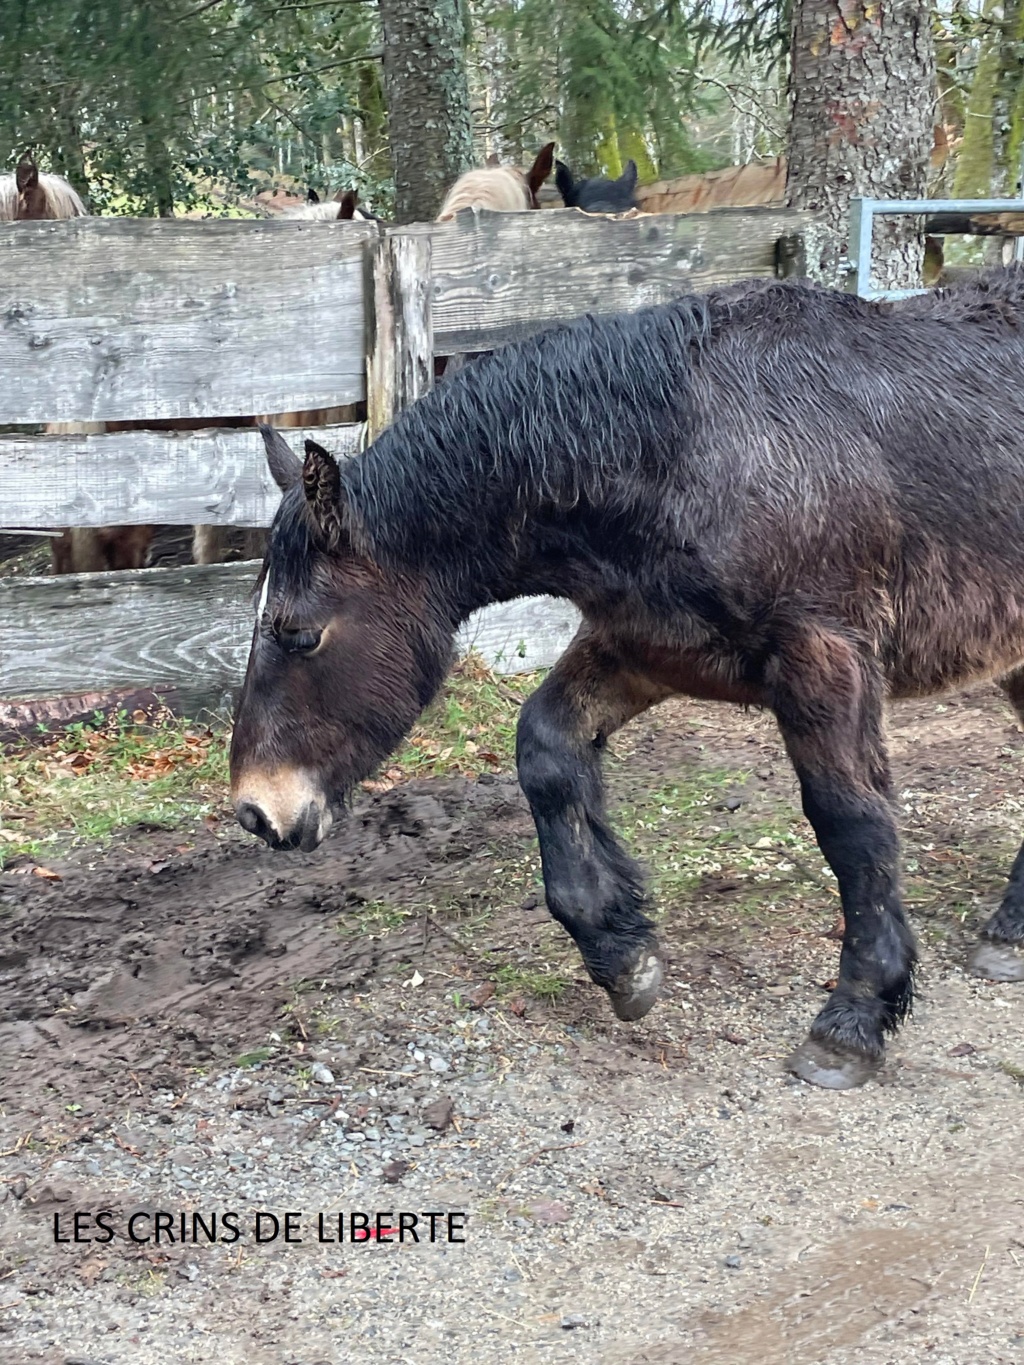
[(427, 93), (862, 90)]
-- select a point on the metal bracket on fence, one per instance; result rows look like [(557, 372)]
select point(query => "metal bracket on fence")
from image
[(862, 216)]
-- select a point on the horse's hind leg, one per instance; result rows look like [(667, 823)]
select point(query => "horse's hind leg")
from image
[(593, 888), (997, 957), (827, 697)]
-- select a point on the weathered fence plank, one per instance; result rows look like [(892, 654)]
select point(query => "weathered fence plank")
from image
[(502, 276), (215, 477), (104, 318), (190, 629), (400, 337), (184, 628)]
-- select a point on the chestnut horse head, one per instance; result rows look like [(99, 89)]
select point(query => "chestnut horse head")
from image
[(29, 194)]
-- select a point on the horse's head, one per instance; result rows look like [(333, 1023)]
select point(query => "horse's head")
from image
[(345, 655), (597, 195), (33, 202)]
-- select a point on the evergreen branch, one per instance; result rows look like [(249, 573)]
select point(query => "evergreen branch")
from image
[(755, 110), (372, 56)]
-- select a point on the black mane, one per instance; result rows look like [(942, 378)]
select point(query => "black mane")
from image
[(600, 412)]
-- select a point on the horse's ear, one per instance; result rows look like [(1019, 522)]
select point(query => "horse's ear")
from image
[(628, 177), (27, 174), (285, 465), (321, 482), (493, 160), (564, 180), (541, 168), (311, 196), (348, 199)]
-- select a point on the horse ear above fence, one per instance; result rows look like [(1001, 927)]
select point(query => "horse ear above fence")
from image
[(27, 174), (541, 168), (285, 465)]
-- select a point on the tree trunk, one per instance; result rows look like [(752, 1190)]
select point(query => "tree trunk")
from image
[(977, 170), (428, 102), (1008, 101), (862, 99)]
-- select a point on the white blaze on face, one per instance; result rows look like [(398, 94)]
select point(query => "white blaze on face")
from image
[(264, 595)]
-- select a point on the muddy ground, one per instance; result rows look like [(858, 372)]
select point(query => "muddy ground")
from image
[(191, 1023)]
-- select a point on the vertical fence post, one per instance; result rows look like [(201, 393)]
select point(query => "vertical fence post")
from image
[(400, 329)]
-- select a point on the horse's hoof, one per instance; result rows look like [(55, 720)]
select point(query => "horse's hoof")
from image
[(996, 962), (636, 990), (818, 1064)]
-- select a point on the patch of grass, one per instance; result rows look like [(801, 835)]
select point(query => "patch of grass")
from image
[(373, 918), (470, 728), (544, 985), (683, 838), (95, 778), (1015, 1073), (255, 1058)]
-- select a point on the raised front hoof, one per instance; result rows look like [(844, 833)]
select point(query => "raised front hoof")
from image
[(833, 1070), (639, 986), (996, 962)]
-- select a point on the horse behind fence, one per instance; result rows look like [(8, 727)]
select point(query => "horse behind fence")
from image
[(501, 189), (29, 194)]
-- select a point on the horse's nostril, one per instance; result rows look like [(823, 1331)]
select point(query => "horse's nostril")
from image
[(253, 821)]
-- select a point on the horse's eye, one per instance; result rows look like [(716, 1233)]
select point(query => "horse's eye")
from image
[(301, 641)]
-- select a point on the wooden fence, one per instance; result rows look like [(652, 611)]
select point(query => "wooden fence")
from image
[(107, 319)]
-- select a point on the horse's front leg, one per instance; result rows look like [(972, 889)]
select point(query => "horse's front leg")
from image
[(827, 697), (594, 889)]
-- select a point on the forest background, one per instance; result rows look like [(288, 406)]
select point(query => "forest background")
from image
[(196, 105)]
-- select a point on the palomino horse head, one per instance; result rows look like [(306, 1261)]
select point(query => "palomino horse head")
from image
[(598, 195), (345, 655), (27, 195), (501, 188), (344, 207)]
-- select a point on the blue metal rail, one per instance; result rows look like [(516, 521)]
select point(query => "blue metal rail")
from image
[(863, 213)]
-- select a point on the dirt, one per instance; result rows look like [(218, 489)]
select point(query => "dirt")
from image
[(189, 1022)]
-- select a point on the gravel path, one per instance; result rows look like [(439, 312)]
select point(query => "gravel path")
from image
[(660, 1192)]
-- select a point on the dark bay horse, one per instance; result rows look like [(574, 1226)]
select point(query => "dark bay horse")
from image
[(598, 194), (753, 497)]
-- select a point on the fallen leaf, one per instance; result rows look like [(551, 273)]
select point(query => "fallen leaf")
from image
[(518, 1006), (414, 980), (332, 1274), (47, 874), (479, 997), (961, 1050)]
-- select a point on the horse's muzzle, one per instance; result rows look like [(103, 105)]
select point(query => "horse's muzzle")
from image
[(288, 815)]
